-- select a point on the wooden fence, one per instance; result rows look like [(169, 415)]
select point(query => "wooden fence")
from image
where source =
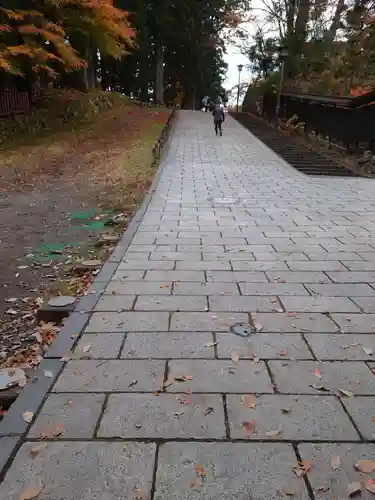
[(13, 101)]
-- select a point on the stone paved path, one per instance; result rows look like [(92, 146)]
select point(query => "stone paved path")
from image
[(164, 407)]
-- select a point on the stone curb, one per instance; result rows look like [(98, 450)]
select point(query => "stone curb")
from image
[(12, 427)]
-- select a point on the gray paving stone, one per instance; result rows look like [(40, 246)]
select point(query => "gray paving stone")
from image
[(251, 247), (140, 288), (355, 323), (293, 323), (100, 346), (145, 265), (367, 304), (165, 416), (201, 248), (128, 322), (236, 276), (361, 266), (298, 277), (263, 345), (77, 413), (203, 265), (322, 473), (272, 289), (126, 275), (170, 303), (247, 256), (7, 445), (307, 417), (246, 304), (260, 266), (315, 265), (341, 347), (341, 256), (319, 304), (84, 471), (174, 256), (202, 288), (298, 377), (361, 409), (342, 290), (167, 276), (280, 256), (233, 471), (111, 376), (206, 321), (220, 376), (168, 345), (352, 277), (115, 303)]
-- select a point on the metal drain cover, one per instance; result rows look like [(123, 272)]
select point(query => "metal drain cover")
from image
[(241, 330)]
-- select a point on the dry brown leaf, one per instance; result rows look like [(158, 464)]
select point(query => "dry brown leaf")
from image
[(208, 410), (286, 411), (168, 382), (211, 344), (167, 285), (28, 416), (31, 492), (344, 392), (335, 462), (37, 449), (288, 492), (274, 433), (354, 489), (366, 466), (319, 387), (302, 468), (368, 351), (234, 357), (370, 485), (52, 431), (250, 427), (249, 401), (323, 487), (200, 470)]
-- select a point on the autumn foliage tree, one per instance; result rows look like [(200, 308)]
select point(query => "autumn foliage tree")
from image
[(61, 36)]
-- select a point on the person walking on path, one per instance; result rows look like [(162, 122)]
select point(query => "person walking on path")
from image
[(219, 118)]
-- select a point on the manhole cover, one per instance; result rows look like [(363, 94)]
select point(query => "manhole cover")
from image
[(225, 201), (61, 301), (10, 377), (241, 330)]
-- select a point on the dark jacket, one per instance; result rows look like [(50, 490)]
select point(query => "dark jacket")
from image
[(218, 114)]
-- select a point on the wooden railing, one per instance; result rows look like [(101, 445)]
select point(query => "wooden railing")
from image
[(12, 101)]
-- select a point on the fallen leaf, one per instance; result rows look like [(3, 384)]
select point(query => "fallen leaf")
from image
[(373, 420), (335, 462), (288, 492), (319, 387), (368, 351), (249, 401), (87, 348), (345, 393), (28, 416), (188, 377), (31, 492), (366, 466), (317, 373), (178, 413), (302, 468), (208, 410), (283, 352), (183, 378), (48, 374), (323, 487), (274, 433), (286, 411), (354, 489), (11, 312), (258, 327), (70, 403), (234, 357), (370, 485), (52, 431), (167, 285), (250, 427), (168, 382), (37, 449), (200, 470), (211, 344), (133, 383)]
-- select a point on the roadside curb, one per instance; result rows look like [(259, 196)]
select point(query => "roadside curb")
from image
[(13, 428)]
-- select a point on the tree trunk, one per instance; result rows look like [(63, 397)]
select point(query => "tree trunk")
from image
[(331, 34), (159, 77)]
